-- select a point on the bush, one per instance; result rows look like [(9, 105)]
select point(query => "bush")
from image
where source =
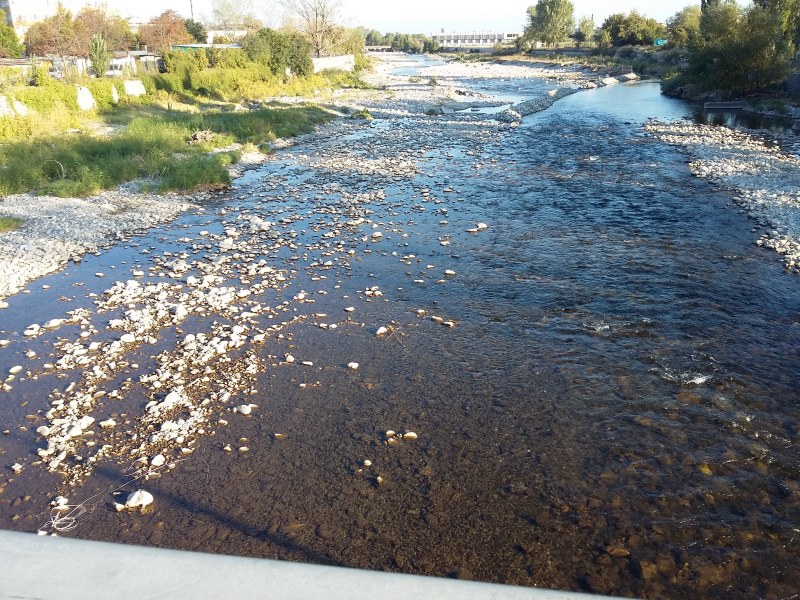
[(47, 97)]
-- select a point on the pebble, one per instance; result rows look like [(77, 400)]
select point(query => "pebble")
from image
[(352, 366)]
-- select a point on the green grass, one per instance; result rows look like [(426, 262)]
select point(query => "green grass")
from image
[(43, 153), (9, 224), (152, 146)]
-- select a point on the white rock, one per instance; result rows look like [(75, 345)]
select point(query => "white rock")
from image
[(158, 460), (409, 436), (139, 499), (381, 331), (128, 338), (15, 370), (352, 366), (289, 358), (245, 409), (108, 423)]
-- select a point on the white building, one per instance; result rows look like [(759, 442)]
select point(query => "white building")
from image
[(21, 14), (474, 39)]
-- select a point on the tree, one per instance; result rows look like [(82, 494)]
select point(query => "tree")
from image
[(585, 30), (160, 32), (317, 21), (737, 50), (684, 26), (431, 46), (115, 30), (788, 13), (279, 50), (98, 55), (373, 38), (197, 30), (9, 42), (234, 15), (632, 29), (603, 39), (53, 36), (550, 21)]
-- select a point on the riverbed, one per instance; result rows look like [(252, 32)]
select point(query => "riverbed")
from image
[(540, 353)]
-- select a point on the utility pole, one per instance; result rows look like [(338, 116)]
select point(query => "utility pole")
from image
[(191, 9)]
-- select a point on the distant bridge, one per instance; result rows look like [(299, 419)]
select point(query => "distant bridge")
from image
[(475, 39), (379, 48)]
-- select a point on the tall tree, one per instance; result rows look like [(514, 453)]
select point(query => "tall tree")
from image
[(585, 29), (9, 42), (197, 30), (788, 14), (684, 26), (633, 29), (116, 31), (318, 20), (737, 50), (160, 32), (53, 36), (98, 55), (550, 21)]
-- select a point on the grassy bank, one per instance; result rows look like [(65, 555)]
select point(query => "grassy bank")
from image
[(9, 224), (153, 144), (59, 150)]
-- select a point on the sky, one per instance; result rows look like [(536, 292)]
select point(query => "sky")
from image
[(422, 16)]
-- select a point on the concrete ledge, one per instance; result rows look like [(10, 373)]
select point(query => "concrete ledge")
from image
[(64, 569)]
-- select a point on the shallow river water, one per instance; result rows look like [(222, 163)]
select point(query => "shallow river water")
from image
[(614, 408)]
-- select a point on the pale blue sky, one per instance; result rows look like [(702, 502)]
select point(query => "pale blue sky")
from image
[(421, 16)]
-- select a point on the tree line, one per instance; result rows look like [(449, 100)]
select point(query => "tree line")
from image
[(728, 48), (413, 43), (93, 29)]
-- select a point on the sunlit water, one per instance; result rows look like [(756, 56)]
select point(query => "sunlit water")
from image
[(616, 409)]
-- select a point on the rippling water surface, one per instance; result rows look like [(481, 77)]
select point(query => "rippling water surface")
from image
[(616, 409)]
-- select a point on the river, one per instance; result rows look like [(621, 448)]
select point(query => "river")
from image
[(603, 380)]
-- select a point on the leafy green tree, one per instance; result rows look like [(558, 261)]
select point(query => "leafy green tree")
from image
[(585, 30), (632, 29), (550, 21), (373, 38), (737, 50), (788, 14), (278, 51), (9, 42), (98, 55), (197, 30), (431, 46), (684, 26), (603, 39)]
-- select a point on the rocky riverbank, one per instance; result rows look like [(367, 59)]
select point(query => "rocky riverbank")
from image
[(764, 180), (57, 230)]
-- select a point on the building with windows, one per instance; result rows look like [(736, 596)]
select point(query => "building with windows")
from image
[(475, 39)]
